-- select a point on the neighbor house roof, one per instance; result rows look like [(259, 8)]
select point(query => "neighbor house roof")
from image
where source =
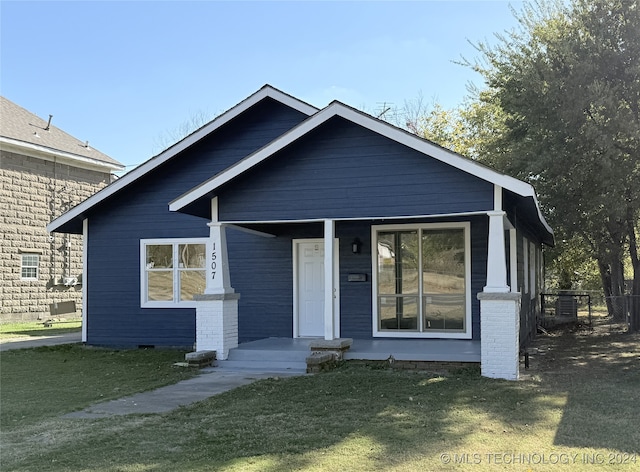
[(25, 133), (265, 92), (338, 109)]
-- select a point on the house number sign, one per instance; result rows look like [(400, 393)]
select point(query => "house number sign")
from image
[(213, 261)]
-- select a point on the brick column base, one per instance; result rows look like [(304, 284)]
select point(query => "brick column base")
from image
[(217, 323), (500, 335)]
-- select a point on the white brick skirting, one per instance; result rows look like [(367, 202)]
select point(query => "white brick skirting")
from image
[(217, 323), (500, 335)]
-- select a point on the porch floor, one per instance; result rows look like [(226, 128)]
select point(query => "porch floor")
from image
[(436, 350)]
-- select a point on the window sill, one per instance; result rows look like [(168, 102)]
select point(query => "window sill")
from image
[(416, 335), (173, 305)]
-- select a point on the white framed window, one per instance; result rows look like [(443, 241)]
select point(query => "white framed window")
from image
[(422, 280), (172, 271), (29, 266)]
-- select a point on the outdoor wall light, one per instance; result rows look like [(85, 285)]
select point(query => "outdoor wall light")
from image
[(356, 245)]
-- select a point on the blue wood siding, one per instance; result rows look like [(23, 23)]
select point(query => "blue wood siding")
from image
[(140, 211), (339, 170), (479, 248), (343, 170), (262, 272), (356, 297)]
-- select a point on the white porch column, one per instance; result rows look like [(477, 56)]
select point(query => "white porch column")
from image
[(499, 310), (218, 265), (329, 280), (496, 257), (217, 308)]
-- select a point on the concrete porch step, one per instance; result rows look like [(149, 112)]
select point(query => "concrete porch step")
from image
[(268, 355)]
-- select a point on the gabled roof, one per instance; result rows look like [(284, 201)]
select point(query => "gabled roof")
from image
[(23, 132), (265, 92), (338, 109)]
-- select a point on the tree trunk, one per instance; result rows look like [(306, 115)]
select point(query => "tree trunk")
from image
[(605, 276), (617, 288), (612, 275), (634, 305)]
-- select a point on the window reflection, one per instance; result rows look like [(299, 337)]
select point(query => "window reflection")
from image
[(421, 271)]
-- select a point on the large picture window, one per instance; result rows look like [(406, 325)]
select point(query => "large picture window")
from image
[(421, 286), (172, 271)]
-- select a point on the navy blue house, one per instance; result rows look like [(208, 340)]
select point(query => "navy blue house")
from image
[(281, 220)]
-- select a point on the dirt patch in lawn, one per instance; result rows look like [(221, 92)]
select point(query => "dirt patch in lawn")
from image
[(569, 349), (598, 369)]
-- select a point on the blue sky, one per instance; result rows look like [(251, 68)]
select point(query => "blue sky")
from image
[(123, 74)]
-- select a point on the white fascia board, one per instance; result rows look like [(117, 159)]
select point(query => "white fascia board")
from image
[(50, 154), (541, 216), (154, 162), (248, 162), (239, 223), (377, 126)]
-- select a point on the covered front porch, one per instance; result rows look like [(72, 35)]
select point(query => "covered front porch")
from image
[(289, 354), (332, 267)]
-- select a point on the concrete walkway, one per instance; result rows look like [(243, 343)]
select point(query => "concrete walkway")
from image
[(210, 382), (37, 341)]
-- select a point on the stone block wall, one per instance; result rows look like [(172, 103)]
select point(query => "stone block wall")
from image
[(33, 192)]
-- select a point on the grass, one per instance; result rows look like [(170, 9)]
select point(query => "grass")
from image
[(43, 383), (576, 405), (10, 331)]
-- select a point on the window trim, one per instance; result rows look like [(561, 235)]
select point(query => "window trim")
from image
[(376, 332), (525, 264), (175, 242), (23, 266), (533, 268)]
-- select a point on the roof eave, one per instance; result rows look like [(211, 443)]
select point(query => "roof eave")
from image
[(266, 91), (401, 136), (339, 109), (43, 152)]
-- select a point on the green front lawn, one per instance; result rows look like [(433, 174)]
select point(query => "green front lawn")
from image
[(575, 409), (10, 331)]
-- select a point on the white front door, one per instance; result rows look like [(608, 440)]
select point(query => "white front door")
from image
[(309, 288)]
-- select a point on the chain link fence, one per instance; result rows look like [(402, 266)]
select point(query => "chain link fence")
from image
[(625, 310)]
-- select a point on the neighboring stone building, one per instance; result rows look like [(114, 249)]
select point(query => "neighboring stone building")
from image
[(43, 173)]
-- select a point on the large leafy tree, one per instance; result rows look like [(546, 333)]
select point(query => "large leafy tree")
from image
[(567, 84)]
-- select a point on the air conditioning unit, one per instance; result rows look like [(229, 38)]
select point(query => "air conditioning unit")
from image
[(69, 281)]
